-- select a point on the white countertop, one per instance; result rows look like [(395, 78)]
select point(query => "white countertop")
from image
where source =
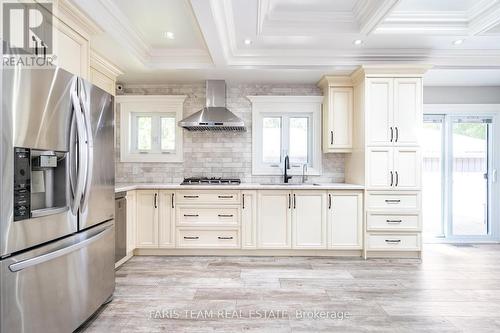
[(242, 186)]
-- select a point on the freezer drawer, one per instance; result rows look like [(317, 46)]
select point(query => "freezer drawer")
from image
[(55, 288)]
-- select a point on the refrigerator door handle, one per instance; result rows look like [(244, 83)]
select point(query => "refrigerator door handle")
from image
[(90, 149), (18, 266), (80, 173)]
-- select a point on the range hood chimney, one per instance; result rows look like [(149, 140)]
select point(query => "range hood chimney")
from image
[(214, 116)]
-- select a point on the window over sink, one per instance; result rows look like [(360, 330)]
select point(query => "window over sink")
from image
[(286, 125), (149, 130)]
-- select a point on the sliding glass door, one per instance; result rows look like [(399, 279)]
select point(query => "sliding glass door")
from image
[(456, 177)]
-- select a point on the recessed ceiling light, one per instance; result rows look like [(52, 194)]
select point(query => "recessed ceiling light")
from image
[(169, 35), (358, 42), (247, 41), (458, 42)]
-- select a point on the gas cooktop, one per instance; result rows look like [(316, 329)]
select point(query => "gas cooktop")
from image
[(210, 181)]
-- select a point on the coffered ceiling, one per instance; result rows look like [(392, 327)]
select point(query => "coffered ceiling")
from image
[(294, 40)]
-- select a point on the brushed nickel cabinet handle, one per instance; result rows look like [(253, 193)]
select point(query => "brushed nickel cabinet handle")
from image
[(191, 237), (221, 237)]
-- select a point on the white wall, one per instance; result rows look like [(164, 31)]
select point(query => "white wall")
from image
[(461, 95)]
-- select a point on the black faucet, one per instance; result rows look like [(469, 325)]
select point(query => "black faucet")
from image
[(286, 177)]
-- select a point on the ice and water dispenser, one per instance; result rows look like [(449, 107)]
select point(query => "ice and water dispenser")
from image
[(40, 183)]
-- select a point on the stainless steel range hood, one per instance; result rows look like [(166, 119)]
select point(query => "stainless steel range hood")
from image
[(214, 116)]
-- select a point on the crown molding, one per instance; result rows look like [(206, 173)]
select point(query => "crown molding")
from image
[(371, 15), (158, 99), (334, 81), (103, 65), (392, 70), (68, 11)]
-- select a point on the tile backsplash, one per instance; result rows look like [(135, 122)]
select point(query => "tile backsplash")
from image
[(216, 154)]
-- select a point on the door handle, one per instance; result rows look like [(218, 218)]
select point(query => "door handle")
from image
[(393, 201), (397, 178), (329, 201), (392, 133), (289, 203), (294, 201), (191, 196), (90, 148), (393, 221), (191, 237), (243, 198), (331, 137), (82, 156), (393, 241), (225, 215), (392, 178), (397, 134), (155, 202), (18, 266), (173, 194), (221, 237), (191, 215), (225, 196)]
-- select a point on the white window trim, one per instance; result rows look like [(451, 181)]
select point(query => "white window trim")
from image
[(275, 105), (149, 104)]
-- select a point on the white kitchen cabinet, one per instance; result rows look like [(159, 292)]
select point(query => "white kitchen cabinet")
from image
[(345, 220), (379, 111), (147, 219), (338, 109), (72, 50), (131, 221), (395, 168), (274, 219), (309, 219), (393, 111), (249, 219), (337, 120), (166, 218), (407, 111)]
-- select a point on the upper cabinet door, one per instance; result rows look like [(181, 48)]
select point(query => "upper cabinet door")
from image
[(273, 222), (71, 50), (380, 168), (309, 219), (379, 111), (407, 111), (337, 136), (407, 169)]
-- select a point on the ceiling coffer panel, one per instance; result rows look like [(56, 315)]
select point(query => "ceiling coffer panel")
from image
[(214, 116)]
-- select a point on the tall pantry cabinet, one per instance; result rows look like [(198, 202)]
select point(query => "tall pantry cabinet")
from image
[(386, 157)]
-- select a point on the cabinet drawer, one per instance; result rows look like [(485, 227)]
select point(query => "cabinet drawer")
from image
[(403, 222), (207, 215), (396, 242), (389, 201), (207, 196), (208, 238)]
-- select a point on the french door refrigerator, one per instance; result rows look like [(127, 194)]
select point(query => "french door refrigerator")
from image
[(57, 200)]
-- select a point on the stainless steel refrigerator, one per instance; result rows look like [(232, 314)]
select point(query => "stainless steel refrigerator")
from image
[(57, 200)]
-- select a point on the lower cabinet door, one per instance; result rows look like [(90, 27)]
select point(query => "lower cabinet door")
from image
[(273, 222), (309, 219), (166, 225), (147, 218), (248, 219), (345, 220)]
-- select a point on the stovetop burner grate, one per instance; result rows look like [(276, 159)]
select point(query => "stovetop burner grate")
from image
[(210, 181)]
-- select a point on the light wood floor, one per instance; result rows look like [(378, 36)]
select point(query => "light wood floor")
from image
[(453, 289)]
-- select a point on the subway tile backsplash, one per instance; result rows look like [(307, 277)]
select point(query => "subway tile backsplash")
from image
[(217, 154)]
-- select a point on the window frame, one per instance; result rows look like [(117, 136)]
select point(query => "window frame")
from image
[(156, 106), (286, 107)]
